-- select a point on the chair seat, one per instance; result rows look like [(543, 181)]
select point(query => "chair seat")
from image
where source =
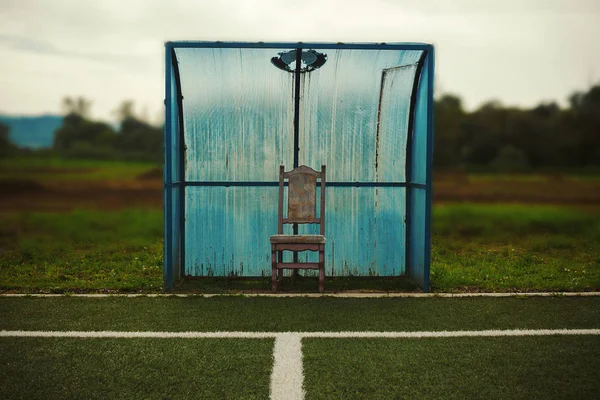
[(303, 239)]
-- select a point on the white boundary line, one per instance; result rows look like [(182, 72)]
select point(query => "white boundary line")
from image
[(287, 377), (340, 295), (301, 335)]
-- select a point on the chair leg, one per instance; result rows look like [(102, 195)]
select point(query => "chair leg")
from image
[(273, 269), (321, 271), (280, 271)]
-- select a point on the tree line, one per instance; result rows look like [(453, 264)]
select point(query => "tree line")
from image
[(493, 137), (508, 138), (80, 137)]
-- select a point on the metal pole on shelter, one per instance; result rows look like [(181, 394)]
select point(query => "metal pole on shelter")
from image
[(313, 60)]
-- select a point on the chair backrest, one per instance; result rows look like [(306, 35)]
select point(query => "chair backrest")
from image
[(302, 197)]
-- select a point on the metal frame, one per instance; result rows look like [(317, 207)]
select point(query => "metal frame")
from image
[(168, 227), (409, 157), (428, 170), (272, 183), (299, 45), (171, 67), (182, 156)]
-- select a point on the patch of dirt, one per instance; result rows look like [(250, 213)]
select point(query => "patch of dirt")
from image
[(146, 191), (544, 190), (153, 174), (43, 170), (8, 186), (515, 198), (22, 195)]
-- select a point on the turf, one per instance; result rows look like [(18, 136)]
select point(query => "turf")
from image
[(237, 313), (52, 368), (458, 368)]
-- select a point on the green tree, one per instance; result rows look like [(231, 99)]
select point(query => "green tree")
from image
[(6, 146), (584, 118), (449, 131), (80, 137), (77, 106), (484, 133), (137, 137)]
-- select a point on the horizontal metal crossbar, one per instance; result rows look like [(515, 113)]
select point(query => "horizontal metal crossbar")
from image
[(299, 45), (275, 183)]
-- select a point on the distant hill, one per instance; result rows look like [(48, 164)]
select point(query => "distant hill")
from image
[(34, 132)]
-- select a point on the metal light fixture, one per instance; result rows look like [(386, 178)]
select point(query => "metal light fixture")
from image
[(311, 60)]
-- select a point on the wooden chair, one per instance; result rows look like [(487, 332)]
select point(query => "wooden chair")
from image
[(302, 204)]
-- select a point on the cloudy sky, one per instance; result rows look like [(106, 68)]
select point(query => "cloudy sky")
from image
[(520, 52)]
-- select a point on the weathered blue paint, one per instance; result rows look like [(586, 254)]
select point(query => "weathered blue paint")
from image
[(238, 128)]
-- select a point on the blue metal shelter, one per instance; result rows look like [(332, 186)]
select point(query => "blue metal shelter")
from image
[(236, 111)]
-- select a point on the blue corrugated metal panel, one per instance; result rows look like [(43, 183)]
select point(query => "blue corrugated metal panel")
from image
[(228, 229), (238, 119), (340, 115), (238, 113), (417, 252)]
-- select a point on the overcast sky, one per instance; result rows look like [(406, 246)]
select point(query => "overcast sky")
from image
[(520, 52)]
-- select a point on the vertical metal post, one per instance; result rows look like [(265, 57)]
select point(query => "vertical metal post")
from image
[(297, 106), (428, 172), (408, 175), (180, 210), (297, 127), (168, 178)]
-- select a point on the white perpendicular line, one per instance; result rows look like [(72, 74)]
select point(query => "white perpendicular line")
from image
[(300, 335), (287, 378), (452, 334)]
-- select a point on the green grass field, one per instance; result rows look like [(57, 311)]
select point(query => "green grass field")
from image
[(458, 368), (490, 233), (82, 250), (548, 367), (35, 368), (57, 169), (475, 247), (507, 247)]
